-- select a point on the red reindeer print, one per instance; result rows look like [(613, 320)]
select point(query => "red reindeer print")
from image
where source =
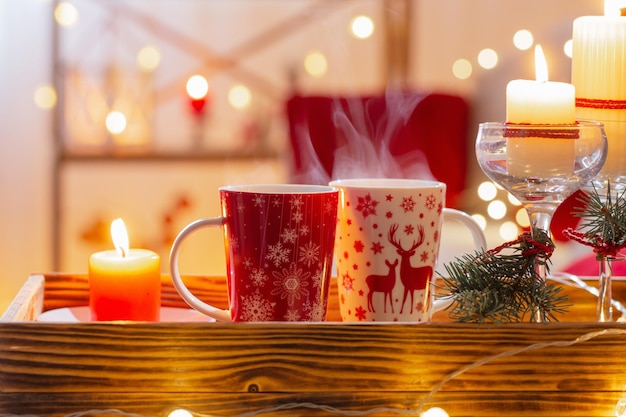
[(413, 278), (382, 283)]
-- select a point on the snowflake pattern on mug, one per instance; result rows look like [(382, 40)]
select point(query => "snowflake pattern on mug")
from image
[(280, 248), (387, 245)]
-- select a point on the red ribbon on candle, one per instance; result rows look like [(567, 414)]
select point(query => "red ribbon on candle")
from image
[(522, 132), (592, 103)]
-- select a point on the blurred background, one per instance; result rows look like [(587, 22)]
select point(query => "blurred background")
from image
[(141, 109)]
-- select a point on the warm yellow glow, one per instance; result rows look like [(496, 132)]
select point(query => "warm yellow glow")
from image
[(115, 122), (362, 27), (568, 47), (179, 412), (315, 64), (488, 58), (496, 209), (480, 219), (239, 97), (462, 69), (66, 14), (45, 97), (487, 191), (119, 236), (435, 412), (197, 87), (523, 39), (541, 66), (521, 217), (148, 58), (508, 231)]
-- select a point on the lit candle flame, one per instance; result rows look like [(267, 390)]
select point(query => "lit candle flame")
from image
[(120, 237), (541, 66)]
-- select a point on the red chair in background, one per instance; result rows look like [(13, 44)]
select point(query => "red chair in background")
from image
[(400, 134)]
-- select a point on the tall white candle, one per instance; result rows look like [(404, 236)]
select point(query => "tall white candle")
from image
[(540, 102), (599, 75)]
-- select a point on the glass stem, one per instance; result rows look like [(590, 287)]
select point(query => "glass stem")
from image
[(604, 310), (540, 222)]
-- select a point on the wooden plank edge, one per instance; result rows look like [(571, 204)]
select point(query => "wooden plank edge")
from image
[(468, 403), (28, 303)]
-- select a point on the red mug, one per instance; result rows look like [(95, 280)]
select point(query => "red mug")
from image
[(279, 241)]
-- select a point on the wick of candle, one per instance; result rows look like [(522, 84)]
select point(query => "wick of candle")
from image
[(121, 251)]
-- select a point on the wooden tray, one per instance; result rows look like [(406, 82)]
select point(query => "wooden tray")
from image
[(225, 369)]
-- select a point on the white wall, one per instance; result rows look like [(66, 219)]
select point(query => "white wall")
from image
[(25, 144)]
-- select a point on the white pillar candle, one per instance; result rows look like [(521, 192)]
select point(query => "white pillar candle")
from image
[(599, 75), (540, 102)]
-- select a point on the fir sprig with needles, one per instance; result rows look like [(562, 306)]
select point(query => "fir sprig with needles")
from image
[(502, 285), (603, 225)]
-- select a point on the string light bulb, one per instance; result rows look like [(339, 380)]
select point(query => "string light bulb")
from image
[(435, 412), (179, 412)]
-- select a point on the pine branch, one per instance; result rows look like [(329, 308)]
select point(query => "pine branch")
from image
[(603, 225), (502, 285)]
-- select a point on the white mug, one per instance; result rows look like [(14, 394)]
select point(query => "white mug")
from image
[(387, 244)]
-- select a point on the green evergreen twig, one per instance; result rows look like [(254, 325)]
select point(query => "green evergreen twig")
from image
[(502, 286), (603, 225)]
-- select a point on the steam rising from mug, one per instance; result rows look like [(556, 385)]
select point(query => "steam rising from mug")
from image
[(355, 137)]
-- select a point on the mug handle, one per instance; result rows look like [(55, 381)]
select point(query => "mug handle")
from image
[(462, 217), (478, 235), (192, 300)]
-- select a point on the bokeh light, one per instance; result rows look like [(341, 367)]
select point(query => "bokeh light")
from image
[(45, 97), (521, 217), (496, 209), (148, 58), (179, 412), (568, 48), (315, 64), (239, 97), (523, 39), (66, 14), (462, 69), (487, 191), (362, 27), (481, 220), (435, 412), (115, 122), (508, 231), (488, 58), (513, 200), (197, 87)]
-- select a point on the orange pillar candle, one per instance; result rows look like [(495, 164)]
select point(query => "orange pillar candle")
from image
[(124, 284)]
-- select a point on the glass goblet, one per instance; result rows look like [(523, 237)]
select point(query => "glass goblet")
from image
[(541, 165), (610, 185)]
